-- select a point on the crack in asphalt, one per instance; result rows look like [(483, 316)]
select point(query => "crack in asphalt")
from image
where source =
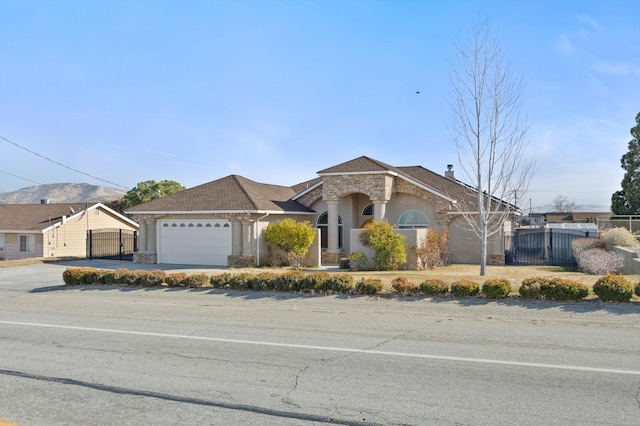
[(287, 397), (177, 398)]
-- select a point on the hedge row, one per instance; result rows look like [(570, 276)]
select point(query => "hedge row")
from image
[(607, 288)]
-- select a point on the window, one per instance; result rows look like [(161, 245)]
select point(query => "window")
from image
[(26, 243), (368, 210), (413, 219), (323, 225)]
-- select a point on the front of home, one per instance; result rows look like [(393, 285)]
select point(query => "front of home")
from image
[(54, 230), (222, 222)]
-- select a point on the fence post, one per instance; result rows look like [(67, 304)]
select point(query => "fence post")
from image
[(90, 243), (550, 246)]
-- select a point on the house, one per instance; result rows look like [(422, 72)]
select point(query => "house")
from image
[(222, 222), (53, 230)]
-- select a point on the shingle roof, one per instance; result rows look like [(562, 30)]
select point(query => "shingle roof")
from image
[(359, 165), (34, 217), (231, 193)]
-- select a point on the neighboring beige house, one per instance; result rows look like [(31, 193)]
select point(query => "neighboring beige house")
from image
[(53, 230), (222, 222)]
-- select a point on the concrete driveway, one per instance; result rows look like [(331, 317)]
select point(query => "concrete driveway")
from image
[(46, 276)]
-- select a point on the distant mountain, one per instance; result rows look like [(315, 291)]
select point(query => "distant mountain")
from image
[(61, 193), (548, 208)]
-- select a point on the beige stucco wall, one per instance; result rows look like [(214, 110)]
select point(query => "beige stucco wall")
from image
[(464, 244), (631, 260)]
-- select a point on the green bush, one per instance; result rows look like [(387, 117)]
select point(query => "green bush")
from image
[(196, 281), (152, 278), (620, 237), (638, 289), (434, 287), (496, 288), (239, 281), (294, 238), (614, 288), (175, 279), (389, 246), (369, 286), (315, 281), (290, 281), (404, 286), (357, 260), (531, 288), (465, 288), (339, 283), (220, 280), (114, 277), (561, 289), (262, 281), (344, 263)]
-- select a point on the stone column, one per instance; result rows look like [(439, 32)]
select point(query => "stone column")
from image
[(246, 238), (332, 226), (379, 210), (142, 237), (236, 238)]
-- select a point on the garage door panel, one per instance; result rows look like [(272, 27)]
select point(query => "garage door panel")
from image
[(196, 242)]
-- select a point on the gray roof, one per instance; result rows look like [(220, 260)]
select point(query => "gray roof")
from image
[(35, 217), (231, 193)]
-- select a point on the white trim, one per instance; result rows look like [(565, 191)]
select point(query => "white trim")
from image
[(21, 231), (306, 191)]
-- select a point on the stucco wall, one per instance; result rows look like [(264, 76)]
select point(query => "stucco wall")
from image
[(413, 236), (631, 260), (465, 247)]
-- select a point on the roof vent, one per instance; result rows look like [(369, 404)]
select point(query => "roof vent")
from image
[(45, 201), (450, 173)]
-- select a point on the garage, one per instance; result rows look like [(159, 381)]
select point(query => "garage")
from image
[(194, 242)]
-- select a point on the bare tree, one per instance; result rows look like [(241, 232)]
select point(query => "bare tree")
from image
[(489, 132), (562, 204)]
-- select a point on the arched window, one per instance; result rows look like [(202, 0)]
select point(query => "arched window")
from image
[(368, 210), (323, 225), (413, 219)]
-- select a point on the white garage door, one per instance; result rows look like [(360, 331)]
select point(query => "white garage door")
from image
[(194, 242)]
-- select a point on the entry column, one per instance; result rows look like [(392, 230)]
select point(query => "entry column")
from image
[(332, 226)]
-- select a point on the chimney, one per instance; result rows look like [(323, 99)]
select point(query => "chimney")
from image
[(450, 173)]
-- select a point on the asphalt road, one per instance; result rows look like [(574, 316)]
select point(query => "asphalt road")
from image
[(107, 355)]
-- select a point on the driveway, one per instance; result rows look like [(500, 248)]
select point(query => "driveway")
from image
[(45, 276)]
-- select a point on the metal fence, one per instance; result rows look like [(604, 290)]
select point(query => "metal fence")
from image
[(114, 244), (632, 223), (543, 246)]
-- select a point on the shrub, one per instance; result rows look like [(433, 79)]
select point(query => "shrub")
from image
[(531, 288), (153, 278), (262, 281), (239, 281), (357, 260), (434, 287), (614, 288), (369, 286), (74, 276), (637, 289), (115, 277), (597, 261), (563, 289), (196, 281), (174, 279), (496, 288), (339, 283), (432, 251), (389, 246), (130, 278), (294, 238), (289, 281), (465, 288), (620, 237), (404, 286), (220, 280), (578, 245), (344, 263), (315, 281)]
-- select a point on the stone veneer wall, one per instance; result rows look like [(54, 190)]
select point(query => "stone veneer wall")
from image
[(377, 186), (331, 258), (145, 258), (239, 261), (496, 259)]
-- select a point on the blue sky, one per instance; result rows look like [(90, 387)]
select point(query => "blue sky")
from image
[(195, 90)]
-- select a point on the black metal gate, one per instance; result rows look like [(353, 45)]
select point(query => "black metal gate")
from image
[(114, 244), (543, 247)]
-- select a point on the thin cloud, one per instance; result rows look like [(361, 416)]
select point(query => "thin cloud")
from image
[(595, 25), (563, 44)]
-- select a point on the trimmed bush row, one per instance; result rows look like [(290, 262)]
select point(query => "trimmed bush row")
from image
[(608, 288)]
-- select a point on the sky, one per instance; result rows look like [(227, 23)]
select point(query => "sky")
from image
[(115, 92)]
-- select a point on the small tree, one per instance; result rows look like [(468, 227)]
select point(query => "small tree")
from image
[(389, 246), (294, 238), (432, 251), (144, 192), (627, 201)]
